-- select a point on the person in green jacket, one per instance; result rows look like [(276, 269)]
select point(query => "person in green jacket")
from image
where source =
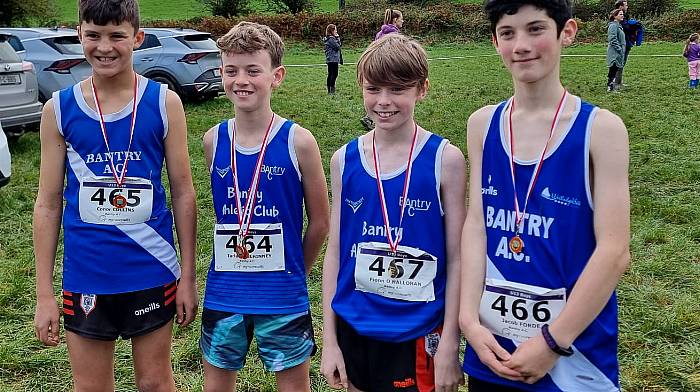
[(616, 47)]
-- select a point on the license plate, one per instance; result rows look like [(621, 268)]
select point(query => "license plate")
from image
[(217, 72), (10, 79)]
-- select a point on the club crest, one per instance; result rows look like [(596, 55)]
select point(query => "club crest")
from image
[(88, 303), (355, 205), (223, 172)]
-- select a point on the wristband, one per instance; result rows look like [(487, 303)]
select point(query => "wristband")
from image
[(564, 352)]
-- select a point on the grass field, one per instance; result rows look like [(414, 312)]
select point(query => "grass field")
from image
[(185, 9), (658, 297)]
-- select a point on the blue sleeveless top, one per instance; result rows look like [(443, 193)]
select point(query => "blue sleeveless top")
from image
[(559, 240), (280, 199), (361, 220), (108, 259)]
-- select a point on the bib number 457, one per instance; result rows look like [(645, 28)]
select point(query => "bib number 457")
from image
[(395, 267)]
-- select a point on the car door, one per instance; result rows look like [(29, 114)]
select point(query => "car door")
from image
[(148, 54)]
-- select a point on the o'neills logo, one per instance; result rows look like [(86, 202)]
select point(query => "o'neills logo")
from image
[(153, 306), (491, 190)]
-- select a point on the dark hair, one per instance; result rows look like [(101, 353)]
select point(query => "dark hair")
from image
[(620, 3), (559, 10), (613, 14), (104, 12)]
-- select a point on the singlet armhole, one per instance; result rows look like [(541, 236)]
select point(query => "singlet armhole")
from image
[(57, 111), (215, 145), (341, 162), (292, 149), (438, 171), (163, 108), (587, 157), (488, 125)]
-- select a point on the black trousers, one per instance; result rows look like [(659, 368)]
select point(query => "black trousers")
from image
[(332, 76), (612, 72)]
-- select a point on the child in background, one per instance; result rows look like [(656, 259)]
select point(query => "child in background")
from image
[(393, 21), (334, 56), (692, 53)]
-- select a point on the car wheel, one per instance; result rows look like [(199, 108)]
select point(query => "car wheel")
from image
[(166, 81)]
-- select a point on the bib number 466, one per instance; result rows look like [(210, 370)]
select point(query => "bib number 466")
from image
[(519, 309)]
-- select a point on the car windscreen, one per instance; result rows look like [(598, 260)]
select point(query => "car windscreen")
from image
[(69, 44), (198, 41), (7, 53)]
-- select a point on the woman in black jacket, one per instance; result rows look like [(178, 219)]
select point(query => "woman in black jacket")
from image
[(333, 56)]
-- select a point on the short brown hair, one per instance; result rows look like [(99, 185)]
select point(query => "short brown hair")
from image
[(104, 12), (330, 29), (249, 37), (393, 60)]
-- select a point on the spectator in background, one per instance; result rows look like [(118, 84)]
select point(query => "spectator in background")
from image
[(692, 53), (616, 49), (393, 21), (334, 56)]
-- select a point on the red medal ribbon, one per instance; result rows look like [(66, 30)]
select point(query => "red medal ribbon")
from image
[(119, 179), (519, 217), (393, 243), (245, 215)]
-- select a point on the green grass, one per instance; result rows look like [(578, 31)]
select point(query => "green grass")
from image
[(658, 296)]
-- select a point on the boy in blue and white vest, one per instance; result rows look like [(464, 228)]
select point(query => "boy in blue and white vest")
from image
[(109, 136), (264, 171), (546, 238), (391, 272)]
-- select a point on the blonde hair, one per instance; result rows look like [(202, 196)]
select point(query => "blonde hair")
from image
[(393, 60), (248, 37), (391, 15), (693, 38)]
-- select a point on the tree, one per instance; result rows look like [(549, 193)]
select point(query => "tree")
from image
[(15, 12), (227, 8)]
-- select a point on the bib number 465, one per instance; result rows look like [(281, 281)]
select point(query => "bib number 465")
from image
[(133, 198), (518, 308)]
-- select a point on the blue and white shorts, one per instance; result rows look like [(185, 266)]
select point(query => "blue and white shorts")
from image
[(284, 340)]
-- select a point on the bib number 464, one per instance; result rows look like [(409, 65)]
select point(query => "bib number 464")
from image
[(249, 243), (519, 309)]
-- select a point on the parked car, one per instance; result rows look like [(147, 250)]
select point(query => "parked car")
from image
[(5, 164), (188, 61), (55, 52), (18, 91)]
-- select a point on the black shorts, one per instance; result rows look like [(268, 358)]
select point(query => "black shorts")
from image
[(476, 385), (108, 316), (377, 366)]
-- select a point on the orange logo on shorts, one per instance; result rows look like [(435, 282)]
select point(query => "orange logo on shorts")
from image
[(407, 382)]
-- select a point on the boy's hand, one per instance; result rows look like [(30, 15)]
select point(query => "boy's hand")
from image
[(186, 301), (491, 353), (533, 359), (333, 366), (46, 326), (448, 372)]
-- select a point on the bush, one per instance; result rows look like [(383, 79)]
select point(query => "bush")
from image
[(595, 9), (227, 8), (23, 12), (293, 6)]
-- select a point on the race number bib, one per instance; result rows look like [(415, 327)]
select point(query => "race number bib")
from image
[(406, 274), (103, 202), (264, 245), (517, 311)]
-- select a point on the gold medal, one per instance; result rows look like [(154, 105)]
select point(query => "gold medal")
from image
[(242, 252), (119, 201), (516, 244)]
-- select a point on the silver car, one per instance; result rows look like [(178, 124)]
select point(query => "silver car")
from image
[(18, 91), (188, 61), (56, 54)]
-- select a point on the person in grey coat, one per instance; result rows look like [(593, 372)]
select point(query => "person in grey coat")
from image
[(616, 47), (334, 56)]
